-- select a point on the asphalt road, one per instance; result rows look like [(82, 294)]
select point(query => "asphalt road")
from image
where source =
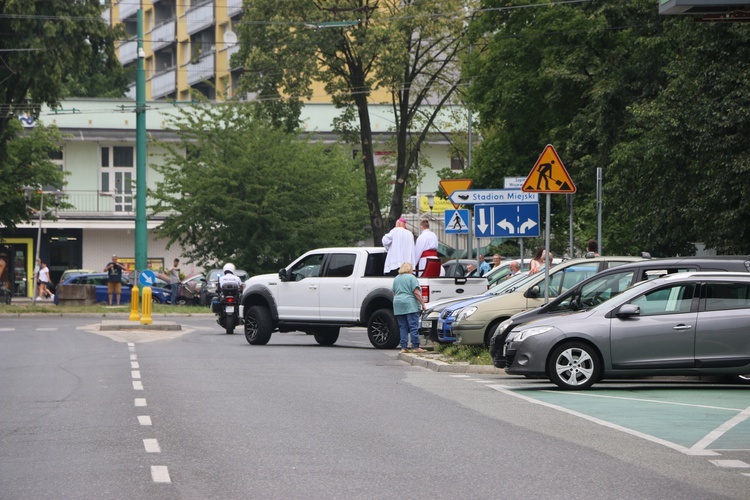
[(199, 414)]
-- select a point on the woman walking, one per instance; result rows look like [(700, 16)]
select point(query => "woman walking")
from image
[(407, 306)]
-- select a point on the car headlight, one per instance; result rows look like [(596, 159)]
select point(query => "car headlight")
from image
[(530, 332), (502, 327), (432, 315), (465, 313)]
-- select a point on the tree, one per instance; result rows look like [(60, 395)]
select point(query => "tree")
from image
[(46, 47), (237, 189), (353, 48)]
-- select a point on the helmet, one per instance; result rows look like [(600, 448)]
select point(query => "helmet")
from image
[(229, 268)]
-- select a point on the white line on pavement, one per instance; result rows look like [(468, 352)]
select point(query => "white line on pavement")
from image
[(133, 357), (46, 329), (160, 474), (137, 385), (136, 374), (7, 329), (151, 445), (144, 420), (734, 464), (140, 402), (134, 365), (647, 437), (722, 429)]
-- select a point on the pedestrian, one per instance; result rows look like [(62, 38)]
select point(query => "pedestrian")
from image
[(114, 280), (537, 263), (496, 261), (426, 246), (592, 247), (407, 306), (471, 271), (484, 266), (174, 280), (515, 268), (43, 281), (399, 243)]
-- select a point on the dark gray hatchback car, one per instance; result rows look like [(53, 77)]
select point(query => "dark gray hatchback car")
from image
[(608, 284), (680, 324)]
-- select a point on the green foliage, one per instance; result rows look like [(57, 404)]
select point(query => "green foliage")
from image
[(660, 104), (255, 195), (50, 50), (474, 355)]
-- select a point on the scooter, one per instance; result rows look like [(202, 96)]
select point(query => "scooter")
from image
[(227, 306)]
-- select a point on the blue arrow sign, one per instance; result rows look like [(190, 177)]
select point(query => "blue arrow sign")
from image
[(487, 196), (508, 221), (147, 278), (457, 221)]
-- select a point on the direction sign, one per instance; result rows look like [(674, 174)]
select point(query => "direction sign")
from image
[(506, 220), (549, 175), (486, 196), (456, 221), (147, 278)]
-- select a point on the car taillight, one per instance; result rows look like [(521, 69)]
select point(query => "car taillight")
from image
[(425, 293), (230, 300)]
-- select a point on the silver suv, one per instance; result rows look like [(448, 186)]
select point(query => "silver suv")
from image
[(681, 324)]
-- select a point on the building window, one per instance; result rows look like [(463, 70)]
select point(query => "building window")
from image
[(457, 163), (116, 175)]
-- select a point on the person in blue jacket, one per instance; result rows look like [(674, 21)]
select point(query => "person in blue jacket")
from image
[(407, 306)]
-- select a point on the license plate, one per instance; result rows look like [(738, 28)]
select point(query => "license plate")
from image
[(427, 324), (230, 309), (440, 324)]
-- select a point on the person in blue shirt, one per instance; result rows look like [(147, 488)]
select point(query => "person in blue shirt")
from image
[(484, 267), (407, 306)]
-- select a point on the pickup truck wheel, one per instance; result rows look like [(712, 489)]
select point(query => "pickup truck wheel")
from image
[(382, 329), (258, 325), (326, 336)]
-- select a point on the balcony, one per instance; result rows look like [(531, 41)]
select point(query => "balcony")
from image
[(99, 204), (234, 7), (201, 70), (129, 8), (128, 51), (200, 18), (163, 35), (163, 83)]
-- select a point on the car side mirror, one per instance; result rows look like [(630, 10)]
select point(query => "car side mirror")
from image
[(283, 275), (532, 293), (628, 310)]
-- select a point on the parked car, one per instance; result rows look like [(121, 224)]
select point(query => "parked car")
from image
[(158, 295), (210, 283), (500, 274), (475, 323), (73, 272), (680, 324), (608, 284), (431, 314), (457, 267)]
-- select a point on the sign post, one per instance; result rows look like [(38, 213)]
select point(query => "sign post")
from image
[(548, 176)]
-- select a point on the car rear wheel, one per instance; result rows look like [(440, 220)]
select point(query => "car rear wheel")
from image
[(574, 366), (326, 336), (382, 329), (258, 325)]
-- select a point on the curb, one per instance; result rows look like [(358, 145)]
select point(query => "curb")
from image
[(433, 362)]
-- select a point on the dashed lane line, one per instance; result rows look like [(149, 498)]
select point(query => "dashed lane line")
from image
[(151, 445), (144, 420), (160, 474), (140, 402)]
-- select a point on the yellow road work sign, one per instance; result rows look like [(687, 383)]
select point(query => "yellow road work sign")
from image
[(549, 175)]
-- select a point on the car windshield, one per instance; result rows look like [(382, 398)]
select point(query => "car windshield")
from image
[(510, 284), (633, 291)]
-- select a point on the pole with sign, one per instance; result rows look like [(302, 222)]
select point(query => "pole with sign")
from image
[(548, 176)]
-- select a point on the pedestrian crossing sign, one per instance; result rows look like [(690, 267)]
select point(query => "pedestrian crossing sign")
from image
[(549, 175), (456, 221)]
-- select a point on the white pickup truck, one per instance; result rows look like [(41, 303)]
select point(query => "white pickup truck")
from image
[(328, 288)]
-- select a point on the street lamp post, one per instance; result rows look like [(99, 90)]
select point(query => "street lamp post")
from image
[(27, 193)]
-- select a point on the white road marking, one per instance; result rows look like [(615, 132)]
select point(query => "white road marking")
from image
[(7, 329), (722, 429), (46, 329), (160, 474), (151, 445), (733, 464), (131, 344), (140, 402), (136, 374), (604, 423), (134, 365), (137, 385), (131, 349), (144, 420), (133, 357), (642, 400), (459, 376)]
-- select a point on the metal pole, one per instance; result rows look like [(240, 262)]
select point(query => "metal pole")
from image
[(599, 176), (569, 199), (546, 248), (38, 246), (141, 234)]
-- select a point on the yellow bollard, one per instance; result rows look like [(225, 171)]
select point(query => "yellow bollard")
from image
[(146, 301), (134, 316)]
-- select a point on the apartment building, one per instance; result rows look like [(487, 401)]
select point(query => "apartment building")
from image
[(188, 44)]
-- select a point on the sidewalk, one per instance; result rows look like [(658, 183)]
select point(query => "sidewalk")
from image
[(437, 363)]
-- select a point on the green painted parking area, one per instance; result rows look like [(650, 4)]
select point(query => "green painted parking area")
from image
[(693, 419)]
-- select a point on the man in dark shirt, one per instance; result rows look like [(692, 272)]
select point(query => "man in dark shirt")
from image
[(114, 279)]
